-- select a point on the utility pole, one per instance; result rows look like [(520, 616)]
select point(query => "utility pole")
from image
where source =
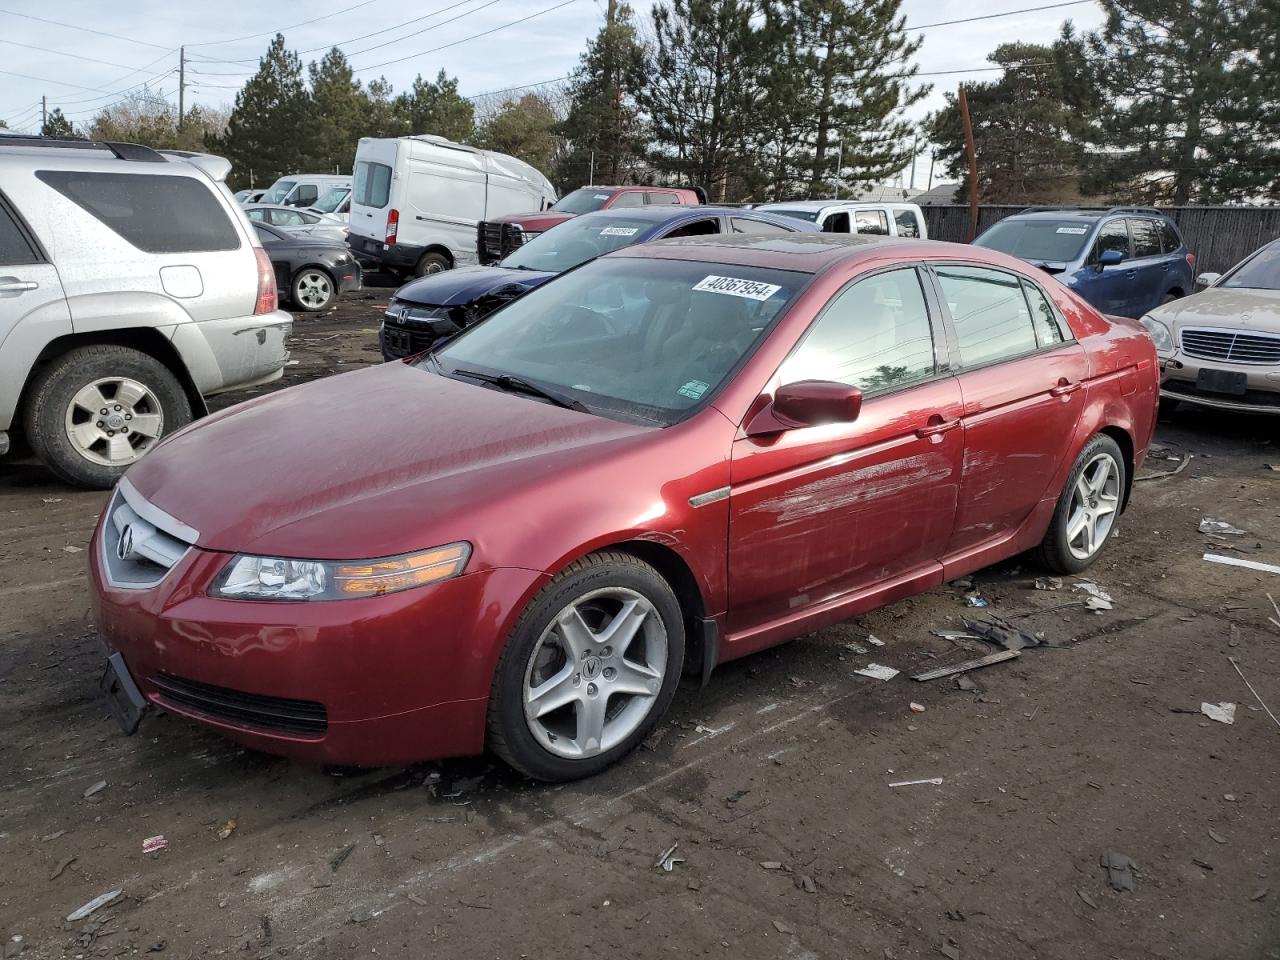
[(44, 113), (591, 171), (182, 84), (973, 164), (915, 144), (933, 158)]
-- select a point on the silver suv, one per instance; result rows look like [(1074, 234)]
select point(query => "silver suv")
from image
[(131, 287)]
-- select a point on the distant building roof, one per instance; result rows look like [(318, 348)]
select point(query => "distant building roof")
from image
[(943, 193)]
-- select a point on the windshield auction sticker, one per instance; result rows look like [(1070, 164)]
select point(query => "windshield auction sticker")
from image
[(1076, 231), (619, 231), (737, 287)]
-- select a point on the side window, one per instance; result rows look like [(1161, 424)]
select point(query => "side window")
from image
[(872, 221), (1146, 239), (305, 195), (663, 198), (990, 314), (699, 228), (157, 213), (875, 335), (1169, 239), (1112, 236), (631, 199), (907, 224), (756, 228), (257, 216), (14, 248), (308, 218), (1049, 329), (836, 223)]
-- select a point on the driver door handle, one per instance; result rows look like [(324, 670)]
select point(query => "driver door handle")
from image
[(13, 285), (1064, 388), (936, 427)]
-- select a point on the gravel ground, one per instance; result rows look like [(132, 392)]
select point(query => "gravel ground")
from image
[(774, 781)]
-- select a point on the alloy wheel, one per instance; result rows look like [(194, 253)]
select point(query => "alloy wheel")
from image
[(314, 290), (595, 673), (1095, 501), (114, 420)]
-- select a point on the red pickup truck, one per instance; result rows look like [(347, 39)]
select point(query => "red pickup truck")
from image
[(498, 237)]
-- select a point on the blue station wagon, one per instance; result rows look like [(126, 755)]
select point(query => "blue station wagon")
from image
[(1124, 261)]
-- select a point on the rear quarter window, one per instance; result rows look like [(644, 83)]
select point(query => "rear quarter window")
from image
[(14, 248), (157, 213), (1169, 239)]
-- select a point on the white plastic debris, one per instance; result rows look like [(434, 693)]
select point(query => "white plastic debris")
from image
[(1220, 527), (1241, 562), (874, 640), (1093, 590), (668, 860), (936, 781), (917, 708), (877, 672), (1222, 712), (97, 903)]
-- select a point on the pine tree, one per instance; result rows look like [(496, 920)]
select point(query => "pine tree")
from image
[(854, 56), (601, 129), (702, 94), (1186, 105), (436, 107), (338, 109), (1028, 126), (381, 118), (524, 128), (56, 125), (266, 136)]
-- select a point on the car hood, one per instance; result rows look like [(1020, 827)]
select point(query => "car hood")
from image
[(334, 469), (466, 284), (535, 222), (1235, 308)]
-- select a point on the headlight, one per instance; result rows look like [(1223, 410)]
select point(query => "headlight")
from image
[(276, 578), (1160, 333)]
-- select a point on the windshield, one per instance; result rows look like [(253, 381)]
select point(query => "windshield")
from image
[(1037, 240), (582, 201), (331, 200), (1259, 272), (810, 215), (279, 191), (637, 339), (576, 241)]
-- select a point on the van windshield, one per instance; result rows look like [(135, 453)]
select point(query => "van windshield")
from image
[(332, 200), (582, 201), (1048, 241), (576, 241), (279, 191)]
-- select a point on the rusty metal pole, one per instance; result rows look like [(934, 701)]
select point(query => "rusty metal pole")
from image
[(973, 164)]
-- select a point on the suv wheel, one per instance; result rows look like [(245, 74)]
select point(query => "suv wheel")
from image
[(94, 411), (1088, 508), (432, 263), (589, 670), (313, 289)]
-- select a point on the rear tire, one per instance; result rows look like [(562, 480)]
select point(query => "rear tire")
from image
[(313, 290), (143, 399), (589, 670), (432, 263), (1087, 509)]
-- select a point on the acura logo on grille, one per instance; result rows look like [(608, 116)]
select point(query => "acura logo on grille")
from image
[(124, 549)]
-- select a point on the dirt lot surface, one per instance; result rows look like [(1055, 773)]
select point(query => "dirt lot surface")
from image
[(775, 781)]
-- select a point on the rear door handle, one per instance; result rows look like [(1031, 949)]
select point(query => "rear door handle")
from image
[(1064, 389), (936, 427), (13, 285)]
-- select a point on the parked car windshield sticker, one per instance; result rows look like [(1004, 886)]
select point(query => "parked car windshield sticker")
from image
[(1078, 231), (619, 231), (602, 196), (694, 389), (737, 287)]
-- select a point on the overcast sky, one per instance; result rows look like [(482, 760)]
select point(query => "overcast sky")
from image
[(544, 47)]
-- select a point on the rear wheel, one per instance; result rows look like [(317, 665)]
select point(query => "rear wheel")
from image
[(313, 289), (432, 263), (589, 670), (1088, 508), (94, 411)]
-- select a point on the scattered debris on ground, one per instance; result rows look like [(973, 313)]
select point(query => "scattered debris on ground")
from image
[(1256, 696), (667, 860), (1241, 562), (936, 781), (877, 672), (1120, 870), (97, 903), (1220, 528), (991, 658)]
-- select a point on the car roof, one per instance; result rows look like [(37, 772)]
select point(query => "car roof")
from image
[(667, 213), (815, 205), (814, 252)]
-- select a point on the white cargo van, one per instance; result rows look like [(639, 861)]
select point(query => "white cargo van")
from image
[(856, 216), (303, 189), (416, 201)]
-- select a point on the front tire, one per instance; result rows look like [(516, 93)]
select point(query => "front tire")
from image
[(313, 290), (432, 263), (589, 670), (94, 411), (1088, 508)]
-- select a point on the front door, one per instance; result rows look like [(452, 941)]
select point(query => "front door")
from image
[(1109, 289), (1022, 378), (826, 511)]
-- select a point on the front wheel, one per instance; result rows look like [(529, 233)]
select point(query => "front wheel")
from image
[(589, 670), (313, 289), (432, 263), (1088, 508)]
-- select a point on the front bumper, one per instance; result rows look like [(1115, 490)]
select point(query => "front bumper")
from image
[(369, 682), (1181, 380)]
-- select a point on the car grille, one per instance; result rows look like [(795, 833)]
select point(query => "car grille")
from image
[(399, 340), (1235, 346), (140, 544), (276, 714)]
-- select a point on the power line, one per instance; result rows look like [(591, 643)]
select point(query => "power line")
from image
[(64, 53), (434, 26), (993, 16), (72, 26), (270, 33), (527, 86), (474, 36)]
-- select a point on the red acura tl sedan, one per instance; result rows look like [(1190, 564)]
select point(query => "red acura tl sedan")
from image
[(673, 456)]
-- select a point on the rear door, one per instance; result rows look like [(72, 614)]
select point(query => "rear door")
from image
[(1020, 376), (1150, 267), (33, 310), (371, 195)]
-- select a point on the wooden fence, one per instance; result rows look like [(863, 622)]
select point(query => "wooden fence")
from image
[(1220, 237)]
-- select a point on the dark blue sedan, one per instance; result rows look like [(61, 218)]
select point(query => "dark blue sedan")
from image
[(441, 304)]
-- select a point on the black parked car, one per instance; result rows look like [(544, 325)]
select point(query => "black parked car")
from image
[(311, 272)]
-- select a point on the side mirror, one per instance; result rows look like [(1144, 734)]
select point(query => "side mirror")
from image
[(1208, 279), (1110, 258), (808, 403)]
